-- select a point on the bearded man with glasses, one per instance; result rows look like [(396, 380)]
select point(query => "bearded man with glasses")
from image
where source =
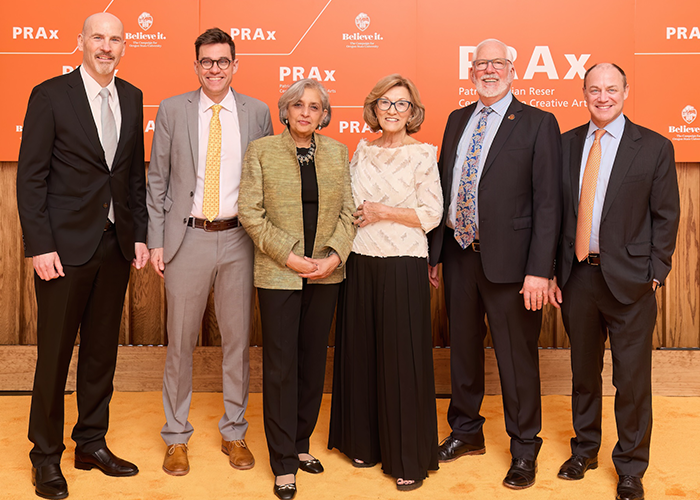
[(500, 165), (197, 242)]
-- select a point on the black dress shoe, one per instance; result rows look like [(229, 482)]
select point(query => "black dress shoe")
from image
[(576, 466), (630, 488), (106, 461), (312, 466), (451, 449), (521, 474), (286, 491), (49, 482)]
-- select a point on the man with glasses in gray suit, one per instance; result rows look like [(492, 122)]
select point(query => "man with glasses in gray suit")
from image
[(196, 241)]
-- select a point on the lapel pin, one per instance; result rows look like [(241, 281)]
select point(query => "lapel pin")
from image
[(511, 116)]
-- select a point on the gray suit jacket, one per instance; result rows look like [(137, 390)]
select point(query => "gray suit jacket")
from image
[(172, 174)]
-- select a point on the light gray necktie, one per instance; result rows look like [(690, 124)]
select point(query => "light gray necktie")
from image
[(109, 137)]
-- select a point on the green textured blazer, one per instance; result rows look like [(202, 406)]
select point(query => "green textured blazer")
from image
[(270, 207)]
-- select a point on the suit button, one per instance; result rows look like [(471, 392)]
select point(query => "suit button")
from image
[(571, 243), (105, 205), (184, 221), (191, 194)]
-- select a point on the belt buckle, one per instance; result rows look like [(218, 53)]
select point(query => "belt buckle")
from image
[(206, 224), (590, 262), (476, 246)]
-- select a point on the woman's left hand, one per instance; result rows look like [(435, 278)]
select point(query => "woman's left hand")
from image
[(368, 212), (324, 267)]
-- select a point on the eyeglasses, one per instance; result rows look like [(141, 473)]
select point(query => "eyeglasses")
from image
[(401, 106), (482, 64), (222, 63)]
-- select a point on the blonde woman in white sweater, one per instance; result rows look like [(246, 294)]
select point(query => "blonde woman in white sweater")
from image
[(383, 406)]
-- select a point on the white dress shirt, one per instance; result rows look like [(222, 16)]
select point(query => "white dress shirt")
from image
[(231, 156)]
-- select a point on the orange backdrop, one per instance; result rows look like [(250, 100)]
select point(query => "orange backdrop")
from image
[(349, 45)]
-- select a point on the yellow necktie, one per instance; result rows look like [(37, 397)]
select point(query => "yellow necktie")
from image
[(585, 202), (210, 203)]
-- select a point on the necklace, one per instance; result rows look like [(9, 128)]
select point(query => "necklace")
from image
[(309, 156)]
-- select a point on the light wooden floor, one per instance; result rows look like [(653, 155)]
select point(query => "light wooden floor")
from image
[(137, 418)]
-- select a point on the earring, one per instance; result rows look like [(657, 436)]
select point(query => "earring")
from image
[(286, 122)]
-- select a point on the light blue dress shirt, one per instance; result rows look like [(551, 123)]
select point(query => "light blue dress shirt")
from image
[(493, 122), (609, 144)]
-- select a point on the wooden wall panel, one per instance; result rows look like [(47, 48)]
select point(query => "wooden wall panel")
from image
[(10, 257), (147, 298), (678, 322), (27, 312), (682, 319)]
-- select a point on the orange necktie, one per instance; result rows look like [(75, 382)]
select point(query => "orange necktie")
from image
[(210, 201), (585, 202)]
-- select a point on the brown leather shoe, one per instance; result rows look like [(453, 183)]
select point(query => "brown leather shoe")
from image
[(239, 456), (175, 462)]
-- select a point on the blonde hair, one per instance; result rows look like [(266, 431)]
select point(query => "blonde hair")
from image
[(382, 87)]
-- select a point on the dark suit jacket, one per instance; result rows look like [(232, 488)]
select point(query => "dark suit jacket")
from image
[(519, 193), (63, 183), (640, 213)]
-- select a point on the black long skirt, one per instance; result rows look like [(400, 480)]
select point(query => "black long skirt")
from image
[(383, 407)]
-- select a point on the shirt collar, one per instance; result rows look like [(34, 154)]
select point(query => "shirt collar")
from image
[(615, 128), (92, 88), (500, 107), (228, 103)]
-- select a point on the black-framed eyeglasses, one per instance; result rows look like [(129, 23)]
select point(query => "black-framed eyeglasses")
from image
[(401, 106), (482, 64), (222, 63)]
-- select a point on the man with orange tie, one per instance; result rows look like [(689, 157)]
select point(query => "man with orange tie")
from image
[(619, 225), (197, 242)]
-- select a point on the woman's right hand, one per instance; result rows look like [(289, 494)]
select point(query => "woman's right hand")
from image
[(299, 264)]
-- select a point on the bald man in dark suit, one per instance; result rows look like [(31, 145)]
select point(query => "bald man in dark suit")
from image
[(81, 195), (620, 220)]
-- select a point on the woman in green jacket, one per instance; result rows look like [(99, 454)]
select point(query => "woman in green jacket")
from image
[(296, 204)]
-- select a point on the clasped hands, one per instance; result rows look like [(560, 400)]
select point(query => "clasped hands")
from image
[(313, 269)]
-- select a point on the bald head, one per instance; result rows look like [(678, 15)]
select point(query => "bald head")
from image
[(102, 43), (606, 66), (101, 17)]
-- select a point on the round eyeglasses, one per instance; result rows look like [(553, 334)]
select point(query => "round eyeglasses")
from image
[(401, 106), (207, 63)]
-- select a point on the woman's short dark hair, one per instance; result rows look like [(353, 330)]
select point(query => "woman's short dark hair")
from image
[(382, 87)]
